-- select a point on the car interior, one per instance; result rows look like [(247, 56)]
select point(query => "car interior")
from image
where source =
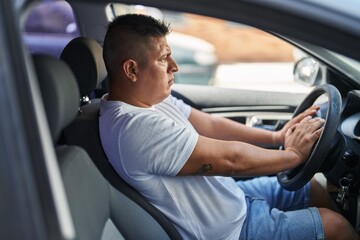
[(100, 204)]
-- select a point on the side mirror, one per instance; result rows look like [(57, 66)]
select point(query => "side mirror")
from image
[(307, 71)]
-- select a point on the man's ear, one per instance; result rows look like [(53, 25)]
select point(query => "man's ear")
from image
[(130, 69)]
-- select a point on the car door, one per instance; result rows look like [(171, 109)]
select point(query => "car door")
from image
[(32, 200), (255, 108)]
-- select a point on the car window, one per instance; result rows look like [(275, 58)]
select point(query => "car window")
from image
[(49, 27), (225, 54)]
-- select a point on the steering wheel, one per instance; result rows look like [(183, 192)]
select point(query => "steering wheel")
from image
[(296, 178)]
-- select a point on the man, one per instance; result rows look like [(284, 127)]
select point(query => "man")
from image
[(182, 159)]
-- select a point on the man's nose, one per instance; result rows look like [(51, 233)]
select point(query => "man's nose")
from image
[(173, 67)]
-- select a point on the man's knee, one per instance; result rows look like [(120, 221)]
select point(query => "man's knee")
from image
[(336, 226), (319, 197)]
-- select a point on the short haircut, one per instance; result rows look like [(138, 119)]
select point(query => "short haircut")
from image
[(127, 37)]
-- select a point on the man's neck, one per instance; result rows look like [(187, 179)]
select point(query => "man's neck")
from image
[(127, 99)]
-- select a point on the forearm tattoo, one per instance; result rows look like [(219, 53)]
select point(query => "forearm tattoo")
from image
[(205, 168)]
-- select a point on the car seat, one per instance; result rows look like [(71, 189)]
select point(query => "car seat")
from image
[(83, 131), (100, 210)]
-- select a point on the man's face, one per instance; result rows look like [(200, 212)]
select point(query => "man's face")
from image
[(156, 71)]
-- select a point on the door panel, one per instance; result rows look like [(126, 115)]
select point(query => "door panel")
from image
[(255, 108)]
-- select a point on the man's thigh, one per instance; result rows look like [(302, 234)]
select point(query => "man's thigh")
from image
[(263, 222), (269, 189)]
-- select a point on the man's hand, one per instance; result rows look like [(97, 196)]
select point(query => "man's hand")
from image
[(301, 137), (279, 136)]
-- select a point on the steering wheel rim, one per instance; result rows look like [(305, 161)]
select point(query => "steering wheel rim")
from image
[(296, 178)]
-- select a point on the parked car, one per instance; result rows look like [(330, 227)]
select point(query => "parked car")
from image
[(52, 190)]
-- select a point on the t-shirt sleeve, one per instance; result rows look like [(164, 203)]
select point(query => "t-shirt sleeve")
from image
[(183, 107), (153, 144)]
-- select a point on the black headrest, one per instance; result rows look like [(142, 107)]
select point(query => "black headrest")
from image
[(59, 91), (84, 56)]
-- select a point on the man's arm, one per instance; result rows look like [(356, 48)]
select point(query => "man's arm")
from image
[(225, 129), (233, 158)]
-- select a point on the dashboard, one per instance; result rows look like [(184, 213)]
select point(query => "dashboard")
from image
[(343, 159), (351, 126)]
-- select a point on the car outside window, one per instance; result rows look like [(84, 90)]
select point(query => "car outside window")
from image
[(49, 27)]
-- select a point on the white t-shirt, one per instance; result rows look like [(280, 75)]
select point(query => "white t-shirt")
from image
[(148, 147)]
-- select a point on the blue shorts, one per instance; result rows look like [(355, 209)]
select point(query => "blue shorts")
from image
[(274, 213)]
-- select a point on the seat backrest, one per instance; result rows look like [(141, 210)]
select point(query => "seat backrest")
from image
[(99, 210)]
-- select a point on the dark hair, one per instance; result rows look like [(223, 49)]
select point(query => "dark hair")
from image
[(127, 33)]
